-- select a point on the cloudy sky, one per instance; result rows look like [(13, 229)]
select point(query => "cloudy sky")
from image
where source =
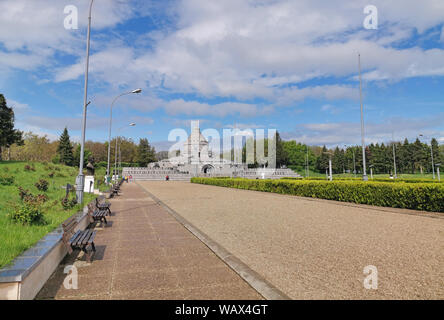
[(285, 64)]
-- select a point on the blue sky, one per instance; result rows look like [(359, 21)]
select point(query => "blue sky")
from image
[(289, 65)]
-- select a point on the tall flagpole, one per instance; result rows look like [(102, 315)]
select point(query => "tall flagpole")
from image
[(80, 181), (364, 172)]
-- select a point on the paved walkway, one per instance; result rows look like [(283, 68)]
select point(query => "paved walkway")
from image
[(314, 249), (145, 253)]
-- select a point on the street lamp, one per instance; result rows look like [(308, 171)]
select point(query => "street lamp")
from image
[(117, 141), (364, 173), (394, 157), (330, 170), (80, 180), (110, 125), (431, 151)]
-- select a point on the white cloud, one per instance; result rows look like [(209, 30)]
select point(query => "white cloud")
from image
[(195, 108), (19, 108), (340, 133), (236, 49), (33, 31)]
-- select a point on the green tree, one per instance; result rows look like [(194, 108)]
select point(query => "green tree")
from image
[(64, 150), (34, 148), (419, 154), (322, 161), (437, 157), (8, 135), (86, 155), (281, 154), (145, 153)]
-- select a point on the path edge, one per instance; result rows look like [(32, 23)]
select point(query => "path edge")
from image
[(256, 281)]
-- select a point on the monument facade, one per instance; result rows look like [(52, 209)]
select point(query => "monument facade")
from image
[(197, 159)]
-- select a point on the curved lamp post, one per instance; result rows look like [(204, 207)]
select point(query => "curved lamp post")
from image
[(80, 181), (117, 141), (110, 125)]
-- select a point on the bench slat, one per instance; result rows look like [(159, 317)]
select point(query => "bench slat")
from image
[(86, 238), (91, 238), (80, 239), (75, 237)]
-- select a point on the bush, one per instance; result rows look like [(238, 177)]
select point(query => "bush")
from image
[(360, 179), (42, 185), (28, 167), (68, 204), (417, 196), (23, 193), (6, 180), (29, 212)]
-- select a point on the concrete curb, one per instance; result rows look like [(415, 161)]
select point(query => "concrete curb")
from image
[(256, 281)]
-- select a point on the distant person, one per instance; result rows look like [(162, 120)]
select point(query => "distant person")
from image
[(167, 178)]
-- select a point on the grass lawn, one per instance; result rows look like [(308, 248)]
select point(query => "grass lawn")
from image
[(16, 238)]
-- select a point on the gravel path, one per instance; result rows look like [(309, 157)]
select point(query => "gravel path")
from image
[(317, 249)]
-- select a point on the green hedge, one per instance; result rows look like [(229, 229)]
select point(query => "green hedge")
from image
[(418, 196), (419, 180)]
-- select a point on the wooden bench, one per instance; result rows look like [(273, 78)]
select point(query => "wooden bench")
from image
[(78, 240), (95, 214), (116, 188), (103, 205)]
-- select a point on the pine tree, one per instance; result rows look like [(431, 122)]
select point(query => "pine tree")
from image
[(338, 161), (145, 153), (419, 155), (8, 135), (65, 149), (322, 161), (436, 154)]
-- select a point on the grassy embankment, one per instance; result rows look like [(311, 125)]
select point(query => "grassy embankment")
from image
[(15, 237)]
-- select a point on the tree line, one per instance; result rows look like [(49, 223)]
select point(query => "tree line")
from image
[(409, 157)]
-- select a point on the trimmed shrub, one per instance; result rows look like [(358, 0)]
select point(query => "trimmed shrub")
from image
[(68, 204), (27, 213), (28, 167), (417, 196), (23, 193), (30, 210), (42, 185), (6, 180)]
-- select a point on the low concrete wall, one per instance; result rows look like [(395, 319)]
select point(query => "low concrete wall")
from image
[(28, 273)]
